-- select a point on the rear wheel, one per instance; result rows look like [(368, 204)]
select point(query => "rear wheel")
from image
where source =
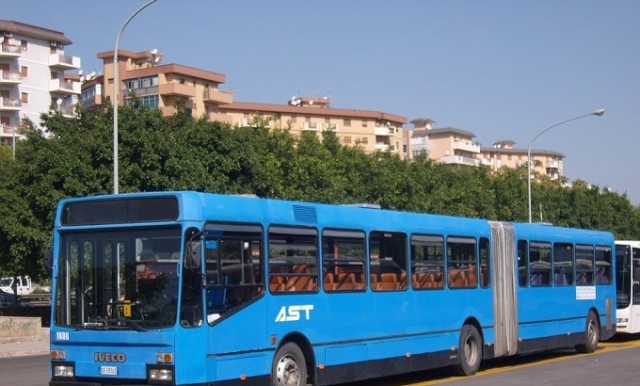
[(470, 351), (289, 367), (591, 335)]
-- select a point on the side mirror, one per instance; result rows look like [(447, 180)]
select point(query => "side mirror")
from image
[(193, 255), (48, 261)]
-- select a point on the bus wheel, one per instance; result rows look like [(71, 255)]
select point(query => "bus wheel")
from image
[(470, 351), (591, 335), (289, 367)]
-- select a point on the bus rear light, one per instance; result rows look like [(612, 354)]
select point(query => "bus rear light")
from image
[(164, 357), (58, 355)]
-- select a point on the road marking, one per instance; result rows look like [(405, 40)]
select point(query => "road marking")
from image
[(603, 348)]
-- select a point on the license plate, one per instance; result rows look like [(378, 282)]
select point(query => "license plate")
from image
[(108, 370)]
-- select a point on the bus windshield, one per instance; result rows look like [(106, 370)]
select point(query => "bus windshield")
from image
[(125, 279)]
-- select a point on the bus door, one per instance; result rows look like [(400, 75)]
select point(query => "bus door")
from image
[(505, 300)]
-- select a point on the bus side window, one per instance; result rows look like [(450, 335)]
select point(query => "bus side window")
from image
[(462, 261), (427, 261), (343, 258), (293, 259), (485, 263), (388, 260), (603, 265), (584, 264), (523, 263), (563, 258), (540, 263)]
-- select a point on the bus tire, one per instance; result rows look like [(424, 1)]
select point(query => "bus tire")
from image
[(591, 335), (289, 367), (469, 352)]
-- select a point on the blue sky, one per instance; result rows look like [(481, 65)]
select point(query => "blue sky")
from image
[(500, 69)]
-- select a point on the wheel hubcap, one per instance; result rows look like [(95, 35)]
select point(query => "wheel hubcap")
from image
[(593, 333), (470, 351), (288, 372)]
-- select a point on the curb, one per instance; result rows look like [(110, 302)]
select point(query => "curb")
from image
[(23, 353)]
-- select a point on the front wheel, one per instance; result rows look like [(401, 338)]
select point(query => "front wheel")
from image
[(289, 367), (470, 351), (591, 335)]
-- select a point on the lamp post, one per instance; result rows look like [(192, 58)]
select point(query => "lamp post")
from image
[(598, 112), (116, 100)]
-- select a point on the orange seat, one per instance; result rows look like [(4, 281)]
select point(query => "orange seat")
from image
[(276, 283), (328, 283), (437, 279), (402, 284), (388, 282), (345, 282), (471, 277), (457, 278)]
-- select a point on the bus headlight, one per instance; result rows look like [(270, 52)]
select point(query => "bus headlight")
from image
[(623, 320), (160, 374), (65, 370)]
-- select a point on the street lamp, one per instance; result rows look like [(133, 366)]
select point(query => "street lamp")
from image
[(598, 112), (116, 99)]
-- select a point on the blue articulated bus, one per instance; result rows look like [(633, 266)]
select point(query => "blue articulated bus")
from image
[(187, 288)]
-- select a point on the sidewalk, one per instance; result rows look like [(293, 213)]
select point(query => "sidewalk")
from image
[(11, 347)]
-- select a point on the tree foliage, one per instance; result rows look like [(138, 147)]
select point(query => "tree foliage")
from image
[(75, 158)]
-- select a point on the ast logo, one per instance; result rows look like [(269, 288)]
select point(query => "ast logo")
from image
[(111, 357), (292, 313)]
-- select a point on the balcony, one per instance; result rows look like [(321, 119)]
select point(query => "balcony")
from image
[(384, 131), (10, 77), (65, 62), (10, 50), (382, 146), (10, 104), (330, 127), (63, 87), (67, 111), (310, 126), (177, 89), (460, 160), (486, 161), (140, 91), (91, 101), (220, 118), (215, 96), (465, 146), (9, 130), (553, 165)]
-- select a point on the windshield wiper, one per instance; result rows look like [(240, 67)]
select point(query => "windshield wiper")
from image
[(130, 322), (112, 324)]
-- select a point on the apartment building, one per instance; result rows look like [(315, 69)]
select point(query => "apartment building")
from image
[(32, 76), (454, 146), (503, 153), (158, 86)]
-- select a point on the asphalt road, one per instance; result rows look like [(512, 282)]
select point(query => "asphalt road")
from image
[(614, 363), (25, 370)]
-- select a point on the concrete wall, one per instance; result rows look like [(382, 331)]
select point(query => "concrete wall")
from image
[(22, 327)]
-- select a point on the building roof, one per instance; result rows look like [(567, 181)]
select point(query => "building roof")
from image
[(538, 152), (450, 130), (426, 121), (302, 110), (33, 31)]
